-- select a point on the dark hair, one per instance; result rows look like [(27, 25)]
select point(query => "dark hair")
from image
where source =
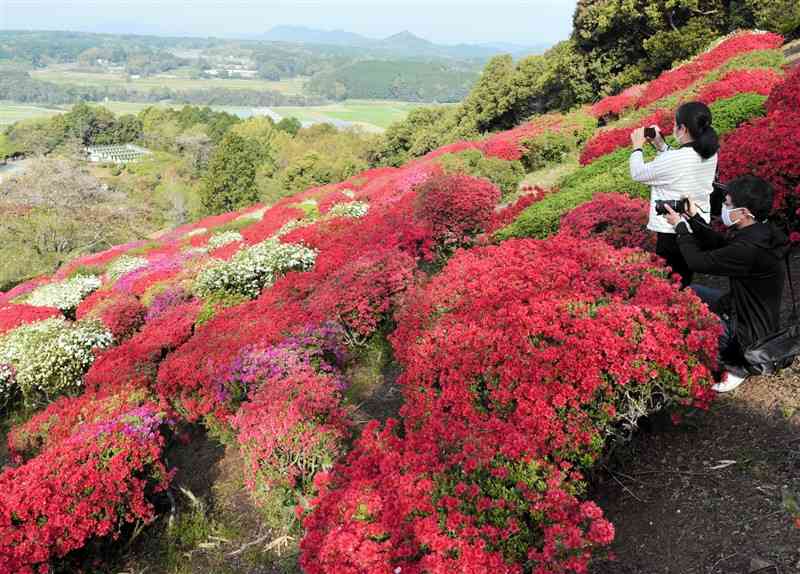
[(753, 193), (696, 117)]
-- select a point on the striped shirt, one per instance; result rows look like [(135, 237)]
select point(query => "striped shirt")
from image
[(673, 174)]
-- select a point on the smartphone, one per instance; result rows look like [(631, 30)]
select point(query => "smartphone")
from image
[(650, 133)]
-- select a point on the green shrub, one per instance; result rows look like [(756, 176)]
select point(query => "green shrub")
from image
[(730, 113), (216, 302), (504, 174)]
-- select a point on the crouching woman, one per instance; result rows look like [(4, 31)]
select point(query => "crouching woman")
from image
[(751, 255)]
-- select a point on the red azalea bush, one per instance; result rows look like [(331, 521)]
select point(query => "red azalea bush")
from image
[(617, 219), (83, 488), (12, 316), (613, 139), (457, 207), (684, 76), (399, 505), (757, 81), (60, 419), (190, 377), (614, 106), (134, 363), (362, 294), (274, 218), (292, 427), (769, 148), (331, 199), (785, 98), (121, 313), (503, 217)]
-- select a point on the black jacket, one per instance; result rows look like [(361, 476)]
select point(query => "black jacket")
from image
[(753, 260)]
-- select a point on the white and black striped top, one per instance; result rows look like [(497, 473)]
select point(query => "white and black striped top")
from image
[(673, 174)]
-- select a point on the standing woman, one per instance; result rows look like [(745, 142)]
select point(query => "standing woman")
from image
[(687, 171)]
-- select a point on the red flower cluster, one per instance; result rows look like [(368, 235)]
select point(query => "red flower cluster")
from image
[(757, 81), (291, 428), (122, 314), (62, 418), (331, 199), (134, 363), (363, 293), (614, 105), (680, 78), (518, 358), (79, 489), (769, 148), (12, 316), (785, 97), (613, 139), (457, 207), (273, 220), (617, 219)]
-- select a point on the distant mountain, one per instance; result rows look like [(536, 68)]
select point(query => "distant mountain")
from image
[(403, 44), (303, 35)]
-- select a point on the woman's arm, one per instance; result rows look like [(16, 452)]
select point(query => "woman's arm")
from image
[(657, 172)]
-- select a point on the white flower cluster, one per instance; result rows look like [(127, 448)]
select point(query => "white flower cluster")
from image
[(349, 193), (125, 264), (6, 383), (65, 295), (223, 238), (349, 209), (48, 358), (251, 269)]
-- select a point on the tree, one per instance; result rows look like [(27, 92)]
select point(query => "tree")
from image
[(289, 125), (231, 179)]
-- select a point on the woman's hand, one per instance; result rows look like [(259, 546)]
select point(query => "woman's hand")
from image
[(672, 216), (637, 138), (658, 141)]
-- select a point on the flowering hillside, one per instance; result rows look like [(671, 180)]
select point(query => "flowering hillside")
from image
[(522, 360)]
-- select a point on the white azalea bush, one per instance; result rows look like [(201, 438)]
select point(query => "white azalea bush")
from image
[(65, 295), (253, 268), (349, 209), (223, 238), (42, 360), (125, 264)]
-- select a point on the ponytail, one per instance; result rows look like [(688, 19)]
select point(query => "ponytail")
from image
[(696, 117)]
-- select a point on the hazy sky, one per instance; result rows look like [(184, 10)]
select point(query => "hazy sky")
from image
[(443, 21)]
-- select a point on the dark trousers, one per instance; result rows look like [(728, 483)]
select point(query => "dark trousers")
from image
[(729, 357), (667, 248)]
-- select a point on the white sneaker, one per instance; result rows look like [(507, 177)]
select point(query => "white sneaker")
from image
[(728, 383)]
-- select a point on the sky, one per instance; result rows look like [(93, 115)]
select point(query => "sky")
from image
[(442, 21)]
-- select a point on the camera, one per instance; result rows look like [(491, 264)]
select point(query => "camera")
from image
[(650, 133), (677, 205)]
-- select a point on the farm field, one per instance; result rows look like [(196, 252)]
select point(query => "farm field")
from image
[(371, 115), (64, 75), (11, 112)]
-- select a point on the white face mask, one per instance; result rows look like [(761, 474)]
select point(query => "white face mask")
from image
[(726, 215)]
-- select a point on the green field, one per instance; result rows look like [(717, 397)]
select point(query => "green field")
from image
[(363, 112), (373, 116), (11, 112), (64, 75)]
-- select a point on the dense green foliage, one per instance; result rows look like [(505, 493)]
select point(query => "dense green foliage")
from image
[(231, 179), (402, 80)]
